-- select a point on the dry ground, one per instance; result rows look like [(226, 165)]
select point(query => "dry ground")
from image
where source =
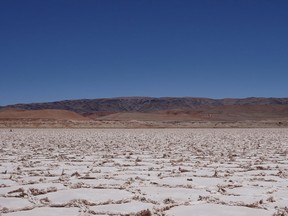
[(235, 116), (143, 172)]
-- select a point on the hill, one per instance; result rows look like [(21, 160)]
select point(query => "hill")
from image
[(145, 104), (149, 112)]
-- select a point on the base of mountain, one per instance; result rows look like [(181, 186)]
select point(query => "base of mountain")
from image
[(48, 123)]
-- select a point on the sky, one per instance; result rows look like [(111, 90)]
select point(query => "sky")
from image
[(75, 49)]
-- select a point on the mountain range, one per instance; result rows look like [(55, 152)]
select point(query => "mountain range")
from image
[(145, 104), (162, 109)]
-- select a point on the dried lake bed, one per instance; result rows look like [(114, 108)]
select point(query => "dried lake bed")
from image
[(173, 172)]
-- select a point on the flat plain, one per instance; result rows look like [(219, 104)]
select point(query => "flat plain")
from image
[(173, 172)]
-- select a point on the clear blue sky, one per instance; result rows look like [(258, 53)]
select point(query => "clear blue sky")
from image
[(70, 49)]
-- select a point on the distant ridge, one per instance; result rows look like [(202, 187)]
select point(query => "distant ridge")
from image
[(148, 112), (145, 104)]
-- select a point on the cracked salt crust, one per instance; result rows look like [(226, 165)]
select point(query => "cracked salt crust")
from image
[(124, 171)]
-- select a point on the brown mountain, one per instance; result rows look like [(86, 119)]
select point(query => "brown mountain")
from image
[(48, 114), (146, 109), (145, 104)]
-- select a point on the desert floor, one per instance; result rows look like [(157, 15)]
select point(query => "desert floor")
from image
[(141, 171)]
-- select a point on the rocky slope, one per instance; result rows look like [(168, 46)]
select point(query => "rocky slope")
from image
[(149, 112), (145, 104)]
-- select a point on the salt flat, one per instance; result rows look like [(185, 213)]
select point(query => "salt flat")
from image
[(137, 171)]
